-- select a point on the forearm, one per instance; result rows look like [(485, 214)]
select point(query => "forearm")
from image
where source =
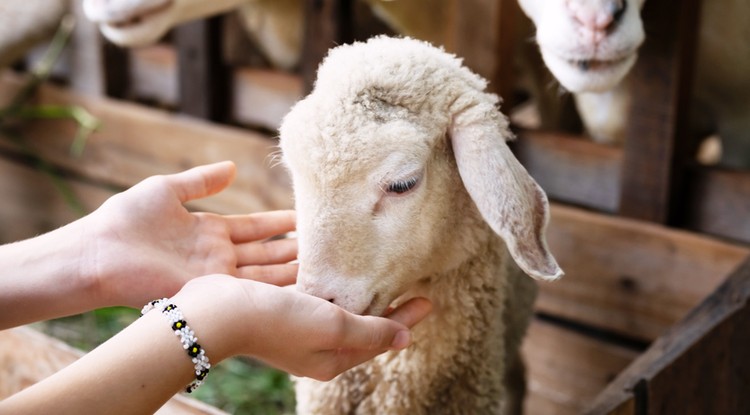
[(135, 372), (40, 278)]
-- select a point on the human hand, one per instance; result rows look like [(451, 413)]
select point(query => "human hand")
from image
[(143, 243), (292, 331)]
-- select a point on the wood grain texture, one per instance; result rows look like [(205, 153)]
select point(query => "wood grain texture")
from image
[(630, 277), (572, 170), (135, 142), (656, 142), (700, 365)]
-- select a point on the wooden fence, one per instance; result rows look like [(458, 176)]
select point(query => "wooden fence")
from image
[(644, 232)]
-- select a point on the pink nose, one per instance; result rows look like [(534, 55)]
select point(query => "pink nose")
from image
[(596, 17)]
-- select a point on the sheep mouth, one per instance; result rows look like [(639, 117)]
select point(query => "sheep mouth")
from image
[(596, 65), (141, 17)]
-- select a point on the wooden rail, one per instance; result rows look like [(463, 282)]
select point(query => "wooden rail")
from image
[(699, 366)]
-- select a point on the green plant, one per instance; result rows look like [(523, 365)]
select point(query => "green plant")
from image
[(21, 111)]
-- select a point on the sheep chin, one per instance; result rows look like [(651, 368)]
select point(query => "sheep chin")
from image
[(588, 75), (139, 31)]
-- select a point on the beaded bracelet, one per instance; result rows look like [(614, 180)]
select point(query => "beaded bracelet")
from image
[(187, 338)]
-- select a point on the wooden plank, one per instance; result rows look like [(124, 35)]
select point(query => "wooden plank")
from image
[(700, 366), (474, 37), (718, 203), (154, 75), (203, 79), (572, 170), (566, 370), (508, 31), (34, 205), (136, 142), (260, 97), (660, 84), (327, 24), (28, 356), (630, 277)]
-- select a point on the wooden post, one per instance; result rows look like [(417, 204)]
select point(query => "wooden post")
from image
[(657, 142), (203, 79), (327, 24), (504, 79), (701, 366)]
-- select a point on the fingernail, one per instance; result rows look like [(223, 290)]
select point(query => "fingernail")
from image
[(401, 340)]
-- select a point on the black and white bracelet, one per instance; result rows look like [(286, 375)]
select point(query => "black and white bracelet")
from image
[(187, 338)]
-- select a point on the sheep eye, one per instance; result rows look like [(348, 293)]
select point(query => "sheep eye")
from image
[(404, 186)]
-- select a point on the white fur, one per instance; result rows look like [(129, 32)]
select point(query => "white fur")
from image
[(721, 89), (24, 23), (275, 24), (396, 110)]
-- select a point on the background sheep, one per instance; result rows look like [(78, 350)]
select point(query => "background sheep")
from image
[(590, 46), (25, 23), (275, 25), (403, 182)]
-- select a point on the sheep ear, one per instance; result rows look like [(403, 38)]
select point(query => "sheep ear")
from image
[(508, 198)]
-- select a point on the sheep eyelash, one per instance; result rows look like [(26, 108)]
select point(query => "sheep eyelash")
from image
[(401, 186)]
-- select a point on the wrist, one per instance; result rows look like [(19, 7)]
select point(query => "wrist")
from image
[(212, 308)]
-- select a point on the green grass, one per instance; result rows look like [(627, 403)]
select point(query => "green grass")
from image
[(237, 385)]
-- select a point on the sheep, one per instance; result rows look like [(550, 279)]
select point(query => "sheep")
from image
[(591, 45), (404, 186), (25, 23), (276, 25)]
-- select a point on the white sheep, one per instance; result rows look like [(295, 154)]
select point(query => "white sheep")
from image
[(24, 24), (275, 25), (590, 46), (404, 187)]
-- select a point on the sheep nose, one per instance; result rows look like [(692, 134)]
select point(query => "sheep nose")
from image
[(596, 19), (309, 286)]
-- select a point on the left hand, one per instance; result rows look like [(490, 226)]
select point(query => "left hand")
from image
[(143, 243)]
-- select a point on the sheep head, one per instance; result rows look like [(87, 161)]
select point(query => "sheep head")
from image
[(132, 23), (391, 154), (588, 45)]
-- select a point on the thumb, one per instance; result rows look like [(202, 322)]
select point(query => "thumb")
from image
[(202, 181), (378, 333)]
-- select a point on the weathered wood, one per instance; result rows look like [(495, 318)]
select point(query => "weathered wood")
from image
[(327, 24), (260, 97), (136, 142), (474, 34), (34, 205), (718, 203), (700, 365), (503, 79), (154, 75), (572, 170), (561, 379), (630, 277), (655, 144), (566, 370), (28, 356), (203, 78)]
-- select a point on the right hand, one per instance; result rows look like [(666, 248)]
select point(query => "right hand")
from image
[(292, 331)]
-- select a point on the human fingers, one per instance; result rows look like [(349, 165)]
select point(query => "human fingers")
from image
[(257, 226), (278, 251), (378, 333), (202, 181), (279, 274), (411, 312)]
